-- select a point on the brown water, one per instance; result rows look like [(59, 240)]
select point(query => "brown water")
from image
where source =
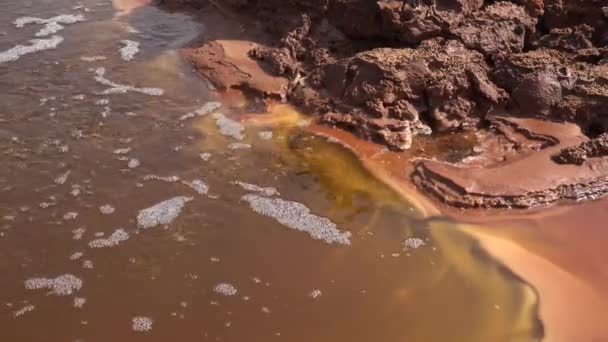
[(70, 154)]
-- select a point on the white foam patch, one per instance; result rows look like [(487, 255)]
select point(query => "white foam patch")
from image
[(79, 302), (70, 215), (78, 233), (297, 216), (76, 256), (102, 102), (63, 285), (207, 108), (107, 209), (205, 156), (265, 135), (413, 243), (88, 264), (51, 25), (93, 58), (119, 235), (24, 310), (142, 324), (116, 88), (225, 289), (168, 179), (239, 146), (162, 213), (315, 294), (61, 179), (228, 126), (199, 186), (129, 50), (133, 163), (266, 191), (37, 45)]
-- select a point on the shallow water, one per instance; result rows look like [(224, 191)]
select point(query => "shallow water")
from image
[(124, 218)]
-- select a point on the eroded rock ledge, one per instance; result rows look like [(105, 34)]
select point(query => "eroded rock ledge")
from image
[(391, 70)]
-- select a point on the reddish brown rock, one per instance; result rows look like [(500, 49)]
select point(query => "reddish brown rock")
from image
[(227, 65), (594, 148), (500, 29)]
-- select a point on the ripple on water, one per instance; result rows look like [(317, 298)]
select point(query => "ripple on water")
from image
[(297, 216), (162, 213), (63, 285)]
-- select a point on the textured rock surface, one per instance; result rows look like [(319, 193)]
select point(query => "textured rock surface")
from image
[(391, 70)]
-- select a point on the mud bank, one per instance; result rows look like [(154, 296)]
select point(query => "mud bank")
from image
[(393, 71)]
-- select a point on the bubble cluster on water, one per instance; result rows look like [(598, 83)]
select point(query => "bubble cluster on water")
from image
[(265, 310), (297, 216), (205, 156), (229, 127), (239, 146), (63, 285), (133, 163), (129, 50), (79, 302), (107, 209), (24, 310), (266, 191), (117, 237), (76, 255), (413, 243), (207, 108), (225, 289), (142, 324), (102, 102), (168, 179), (162, 213), (315, 294), (62, 178), (37, 45), (51, 25), (78, 233), (88, 264), (93, 58), (199, 186), (265, 135), (70, 215), (116, 88)]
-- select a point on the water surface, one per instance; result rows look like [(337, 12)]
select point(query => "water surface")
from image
[(126, 218)]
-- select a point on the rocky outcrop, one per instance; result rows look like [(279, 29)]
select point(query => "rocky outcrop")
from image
[(391, 70)]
